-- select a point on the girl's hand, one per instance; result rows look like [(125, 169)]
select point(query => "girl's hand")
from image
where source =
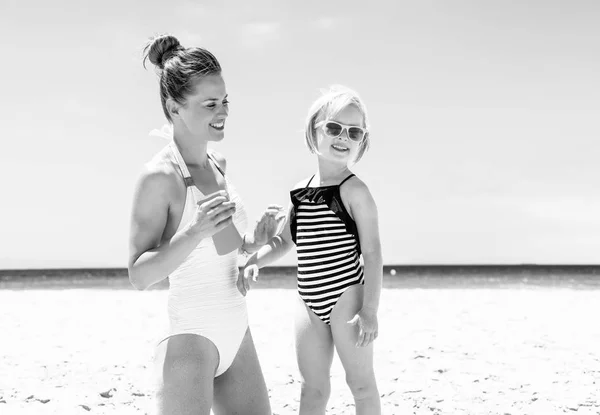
[(268, 225), (368, 329), (249, 272)]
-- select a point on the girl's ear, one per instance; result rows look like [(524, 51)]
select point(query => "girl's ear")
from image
[(362, 147)]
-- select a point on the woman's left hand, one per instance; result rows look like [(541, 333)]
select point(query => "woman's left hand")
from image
[(268, 225), (368, 329)]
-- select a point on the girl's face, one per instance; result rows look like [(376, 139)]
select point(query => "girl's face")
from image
[(340, 149), (206, 109)]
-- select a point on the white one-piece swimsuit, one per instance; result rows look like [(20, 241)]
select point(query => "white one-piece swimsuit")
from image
[(203, 297)]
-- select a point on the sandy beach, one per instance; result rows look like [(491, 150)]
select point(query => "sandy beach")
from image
[(479, 349)]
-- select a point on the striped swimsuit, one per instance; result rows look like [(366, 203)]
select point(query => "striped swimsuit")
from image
[(328, 247)]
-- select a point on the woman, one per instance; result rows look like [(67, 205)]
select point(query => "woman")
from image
[(209, 359)]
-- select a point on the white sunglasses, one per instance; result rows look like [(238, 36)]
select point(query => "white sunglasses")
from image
[(335, 129)]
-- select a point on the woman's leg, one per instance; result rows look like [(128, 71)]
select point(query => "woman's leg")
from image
[(186, 364), (314, 351), (357, 361), (242, 389)]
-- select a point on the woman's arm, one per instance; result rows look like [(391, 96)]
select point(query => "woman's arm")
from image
[(152, 258), (265, 229), (274, 249)]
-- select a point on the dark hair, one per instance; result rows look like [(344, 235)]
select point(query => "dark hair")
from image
[(178, 67)]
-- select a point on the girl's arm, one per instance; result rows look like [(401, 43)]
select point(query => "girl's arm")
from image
[(364, 212)]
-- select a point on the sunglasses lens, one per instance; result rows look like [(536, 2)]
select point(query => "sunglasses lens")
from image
[(333, 129), (355, 134)]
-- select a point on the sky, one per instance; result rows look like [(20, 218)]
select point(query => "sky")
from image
[(484, 120)]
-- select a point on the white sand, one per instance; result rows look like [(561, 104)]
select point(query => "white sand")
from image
[(440, 351)]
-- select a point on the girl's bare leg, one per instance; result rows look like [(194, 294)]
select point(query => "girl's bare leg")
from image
[(314, 351), (357, 361)]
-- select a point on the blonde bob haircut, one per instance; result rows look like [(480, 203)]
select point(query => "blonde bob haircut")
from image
[(331, 102)]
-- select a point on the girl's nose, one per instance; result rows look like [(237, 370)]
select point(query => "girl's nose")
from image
[(344, 134)]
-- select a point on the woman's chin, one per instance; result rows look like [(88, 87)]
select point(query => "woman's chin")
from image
[(217, 136)]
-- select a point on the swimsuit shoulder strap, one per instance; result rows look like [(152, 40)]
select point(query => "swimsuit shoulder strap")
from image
[(187, 177), (210, 156), (343, 181)]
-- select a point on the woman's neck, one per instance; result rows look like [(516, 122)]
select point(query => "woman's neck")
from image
[(193, 150)]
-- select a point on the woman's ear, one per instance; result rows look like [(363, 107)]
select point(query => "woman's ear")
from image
[(172, 108)]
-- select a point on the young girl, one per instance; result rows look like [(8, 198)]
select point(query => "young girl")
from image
[(332, 220)]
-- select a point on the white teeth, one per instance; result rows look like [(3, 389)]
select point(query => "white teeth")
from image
[(218, 125), (340, 148)]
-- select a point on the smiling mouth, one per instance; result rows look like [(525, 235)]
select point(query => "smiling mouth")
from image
[(339, 148), (219, 126)]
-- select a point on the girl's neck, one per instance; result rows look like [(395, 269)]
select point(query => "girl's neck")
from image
[(329, 173), (193, 150)]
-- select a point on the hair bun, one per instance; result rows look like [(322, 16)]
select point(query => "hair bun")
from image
[(161, 48)]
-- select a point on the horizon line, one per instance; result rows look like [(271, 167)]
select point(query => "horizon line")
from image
[(386, 266)]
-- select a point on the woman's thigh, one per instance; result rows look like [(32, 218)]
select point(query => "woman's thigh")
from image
[(186, 366), (242, 389)]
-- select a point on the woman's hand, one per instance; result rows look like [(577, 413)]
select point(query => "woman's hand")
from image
[(247, 274), (212, 216), (368, 329), (268, 225)]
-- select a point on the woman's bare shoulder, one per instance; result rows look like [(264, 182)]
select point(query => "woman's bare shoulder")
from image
[(160, 174)]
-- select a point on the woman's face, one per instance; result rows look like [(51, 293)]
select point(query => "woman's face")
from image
[(206, 109), (341, 148)]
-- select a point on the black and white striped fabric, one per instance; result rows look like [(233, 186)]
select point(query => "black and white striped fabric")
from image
[(328, 253)]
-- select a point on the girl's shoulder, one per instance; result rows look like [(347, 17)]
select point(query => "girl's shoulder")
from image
[(355, 189), (353, 183), (302, 183)]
